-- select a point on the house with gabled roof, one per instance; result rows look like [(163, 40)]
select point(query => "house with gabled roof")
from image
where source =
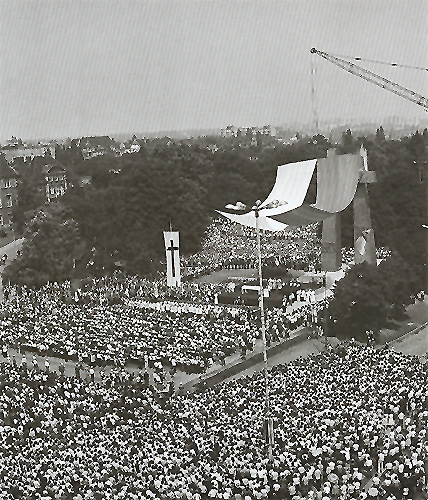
[(50, 176), (96, 146)]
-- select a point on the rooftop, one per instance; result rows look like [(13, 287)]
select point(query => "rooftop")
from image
[(6, 171)]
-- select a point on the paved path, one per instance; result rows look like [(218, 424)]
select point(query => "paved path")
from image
[(416, 343), (11, 250), (301, 350)]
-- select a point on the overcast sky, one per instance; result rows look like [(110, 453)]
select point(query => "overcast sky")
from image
[(94, 67)]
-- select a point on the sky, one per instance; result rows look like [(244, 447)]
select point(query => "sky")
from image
[(71, 68)]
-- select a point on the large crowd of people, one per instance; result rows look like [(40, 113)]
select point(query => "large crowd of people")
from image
[(229, 245), (40, 320), (121, 319), (185, 335), (349, 423), (348, 255)]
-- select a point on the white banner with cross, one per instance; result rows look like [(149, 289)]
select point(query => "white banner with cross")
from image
[(172, 249)]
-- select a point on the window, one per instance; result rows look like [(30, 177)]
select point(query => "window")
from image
[(8, 200)]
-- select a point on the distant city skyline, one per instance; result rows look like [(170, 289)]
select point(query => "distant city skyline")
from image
[(74, 68), (390, 124)]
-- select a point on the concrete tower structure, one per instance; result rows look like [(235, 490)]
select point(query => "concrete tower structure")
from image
[(331, 248), (331, 252), (364, 241)]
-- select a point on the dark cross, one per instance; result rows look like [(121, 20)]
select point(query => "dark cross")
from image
[(171, 249)]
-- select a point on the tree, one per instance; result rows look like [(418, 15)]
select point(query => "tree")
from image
[(371, 297), (399, 283), (417, 146), (30, 197), (69, 156), (359, 304), (133, 198), (48, 252)]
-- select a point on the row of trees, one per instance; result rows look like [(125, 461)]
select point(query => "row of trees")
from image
[(120, 216)]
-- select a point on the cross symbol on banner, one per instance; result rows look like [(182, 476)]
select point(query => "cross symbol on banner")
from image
[(171, 249)]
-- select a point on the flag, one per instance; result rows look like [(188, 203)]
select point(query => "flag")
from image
[(360, 245), (361, 242), (172, 258)]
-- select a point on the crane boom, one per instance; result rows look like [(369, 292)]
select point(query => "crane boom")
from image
[(380, 81)]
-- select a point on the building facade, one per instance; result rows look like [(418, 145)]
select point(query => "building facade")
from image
[(56, 182), (48, 175), (8, 192)]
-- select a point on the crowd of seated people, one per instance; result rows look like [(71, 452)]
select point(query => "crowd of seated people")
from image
[(123, 318)]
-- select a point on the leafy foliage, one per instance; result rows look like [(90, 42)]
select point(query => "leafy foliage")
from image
[(133, 198), (30, 197), (370, 298), (52, 236)]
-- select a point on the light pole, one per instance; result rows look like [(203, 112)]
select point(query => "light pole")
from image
[(423, 177), (426, 259), (325, 310), (268, 420)]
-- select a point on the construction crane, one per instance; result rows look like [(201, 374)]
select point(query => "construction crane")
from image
[(380, 81), (399, 90)]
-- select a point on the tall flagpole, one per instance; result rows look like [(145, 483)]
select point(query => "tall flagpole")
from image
[(268, 424)]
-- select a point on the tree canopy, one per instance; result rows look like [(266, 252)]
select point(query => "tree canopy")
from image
[(52, 237), (133, 198), (371, 298)]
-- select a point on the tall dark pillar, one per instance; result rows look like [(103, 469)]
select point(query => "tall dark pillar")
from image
[(331, 251), (331, 248), (364, 241)]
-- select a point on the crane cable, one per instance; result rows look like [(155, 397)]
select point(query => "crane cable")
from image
[(313, 92), (396, 65)]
